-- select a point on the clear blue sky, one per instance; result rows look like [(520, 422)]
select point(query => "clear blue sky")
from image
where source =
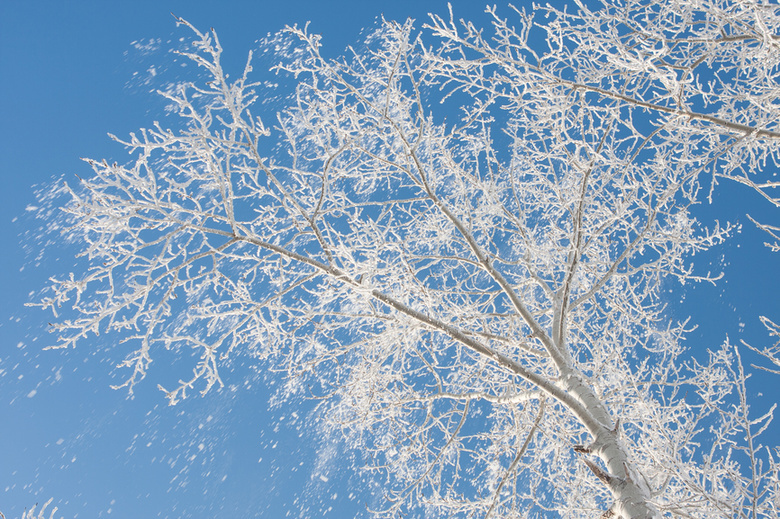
[(67, 79)]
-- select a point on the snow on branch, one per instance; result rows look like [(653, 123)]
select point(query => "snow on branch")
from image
[(458, 238)]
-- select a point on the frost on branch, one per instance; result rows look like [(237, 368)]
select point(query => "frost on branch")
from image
[(457, 239), (30, 514)]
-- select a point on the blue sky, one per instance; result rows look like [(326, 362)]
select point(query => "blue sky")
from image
[(67, 79)]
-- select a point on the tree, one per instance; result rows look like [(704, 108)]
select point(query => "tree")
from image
[(458, 242)]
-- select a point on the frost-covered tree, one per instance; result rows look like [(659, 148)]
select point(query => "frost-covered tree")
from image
[(457, 238)]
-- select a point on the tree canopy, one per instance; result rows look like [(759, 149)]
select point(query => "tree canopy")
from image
[(457, 237)]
